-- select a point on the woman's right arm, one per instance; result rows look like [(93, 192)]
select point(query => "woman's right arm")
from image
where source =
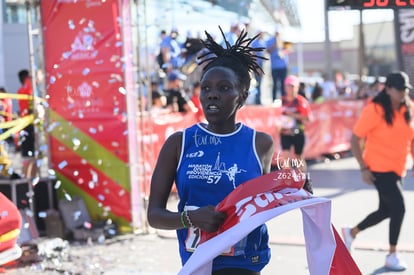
[(161, 183), (206, 218), (357, 152)]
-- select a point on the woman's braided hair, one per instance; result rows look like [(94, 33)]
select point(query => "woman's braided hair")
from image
[(240, 57)]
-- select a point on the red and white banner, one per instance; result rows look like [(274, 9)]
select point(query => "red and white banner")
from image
[(89, 78), (329, 132), (248, 207)]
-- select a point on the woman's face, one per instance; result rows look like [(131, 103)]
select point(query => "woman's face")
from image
[(221, 95), (397, 96), (291, 90)]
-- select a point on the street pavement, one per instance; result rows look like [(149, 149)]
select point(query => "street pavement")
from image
[(338, 180)]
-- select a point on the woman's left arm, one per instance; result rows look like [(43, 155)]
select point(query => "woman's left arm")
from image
[(265, 149)]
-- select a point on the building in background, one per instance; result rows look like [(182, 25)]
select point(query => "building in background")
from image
[(380, 52)]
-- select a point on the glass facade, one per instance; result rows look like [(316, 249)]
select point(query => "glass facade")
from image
[(14, 12)]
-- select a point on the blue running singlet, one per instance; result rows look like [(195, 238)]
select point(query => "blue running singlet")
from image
[(211, 166)]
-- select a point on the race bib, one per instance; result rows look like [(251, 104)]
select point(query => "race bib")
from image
[(288, 122), (194, 236)]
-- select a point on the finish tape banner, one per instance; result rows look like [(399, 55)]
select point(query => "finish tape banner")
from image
[(258, 200), (86, 86)]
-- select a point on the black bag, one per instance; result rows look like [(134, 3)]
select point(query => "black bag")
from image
[(160, 60)]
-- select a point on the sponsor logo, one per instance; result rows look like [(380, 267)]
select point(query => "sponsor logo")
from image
[(83, 46), (197, 154)]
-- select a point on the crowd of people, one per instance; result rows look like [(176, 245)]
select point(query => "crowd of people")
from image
[(173, 58)]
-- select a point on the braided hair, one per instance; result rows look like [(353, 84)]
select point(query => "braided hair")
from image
[(241, 58)]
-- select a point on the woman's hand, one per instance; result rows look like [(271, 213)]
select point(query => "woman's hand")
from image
[(206, 218), (367, 176)]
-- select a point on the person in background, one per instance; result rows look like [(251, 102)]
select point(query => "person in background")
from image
[(171, 52), (302, 90), (6, 109), (27, 135), (259, 42), (382, 138), (296, 111), (363, 91), (231, 36), (186, 156), (278, 63), (317, 94), (177, 99), (376, 87), (158, 103), (328, 88), (160, 57)]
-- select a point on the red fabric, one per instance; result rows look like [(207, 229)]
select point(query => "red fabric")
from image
[(10, 219), (91, 86), (274, 181), (197, 104), (253, 190), (343, 263), (302, 105)]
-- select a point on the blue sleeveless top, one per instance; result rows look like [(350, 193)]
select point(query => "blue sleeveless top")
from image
[(210, 167)]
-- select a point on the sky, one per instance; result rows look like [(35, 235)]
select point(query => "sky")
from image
[(311, 13)]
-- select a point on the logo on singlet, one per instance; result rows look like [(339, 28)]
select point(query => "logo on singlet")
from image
[(212, 174), (197, 154)]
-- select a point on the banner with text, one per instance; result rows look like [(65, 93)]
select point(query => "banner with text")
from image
[(404, 40)]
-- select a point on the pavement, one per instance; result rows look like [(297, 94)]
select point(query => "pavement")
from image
[(156, 252)]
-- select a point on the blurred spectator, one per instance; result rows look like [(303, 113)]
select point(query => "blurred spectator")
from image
[(6, 109), (328, 88), (345, 92), (363, 91), (317, 94), (171, 52), (160, 59), (302, 90), (27, 135), (6, 106), (259, 42), (177, 99), (377, 86), (232, 34), (192, 45), (158, 103), (278, 63), (296, 112)]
